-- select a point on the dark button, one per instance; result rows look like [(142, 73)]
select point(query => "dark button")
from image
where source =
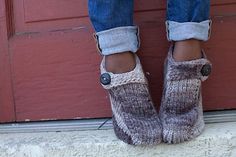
[(206, 70), (105, 79)]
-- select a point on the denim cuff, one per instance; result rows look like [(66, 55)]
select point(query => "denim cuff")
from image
[(188, 30), (118, 40)]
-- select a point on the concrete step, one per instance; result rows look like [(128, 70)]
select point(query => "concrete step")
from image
[(218, 140)]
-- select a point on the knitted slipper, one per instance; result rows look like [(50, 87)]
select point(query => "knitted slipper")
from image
[(120, 133), (135, 119), (181, 109)]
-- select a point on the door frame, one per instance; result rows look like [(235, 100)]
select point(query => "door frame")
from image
[(7, 109)]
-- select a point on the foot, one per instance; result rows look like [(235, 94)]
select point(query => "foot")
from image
[(135, 119), (120, 62), (181, 109)]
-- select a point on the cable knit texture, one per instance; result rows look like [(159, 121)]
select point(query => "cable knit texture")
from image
[(135, 119), (181, 109)]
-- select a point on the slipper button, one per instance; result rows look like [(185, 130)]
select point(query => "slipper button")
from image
[(206, 70), (105, 79)]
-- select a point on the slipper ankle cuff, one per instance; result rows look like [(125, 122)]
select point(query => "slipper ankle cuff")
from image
[(194, 69), (114, 80)]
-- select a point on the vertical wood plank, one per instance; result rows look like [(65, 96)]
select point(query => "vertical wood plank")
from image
[(7, 112)]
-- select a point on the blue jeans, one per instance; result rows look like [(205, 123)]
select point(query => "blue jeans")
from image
[(116, 32)]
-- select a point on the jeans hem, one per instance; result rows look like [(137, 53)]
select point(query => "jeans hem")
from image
[(118, 40), (188, 30)]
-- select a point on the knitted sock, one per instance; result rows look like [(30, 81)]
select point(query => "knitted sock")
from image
[(135, 119), (181, 109)]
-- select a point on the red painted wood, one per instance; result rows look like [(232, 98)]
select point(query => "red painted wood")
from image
[(53, 9), (61, 14), (53, 79), (6, 98), (55, 66), (219, 90)]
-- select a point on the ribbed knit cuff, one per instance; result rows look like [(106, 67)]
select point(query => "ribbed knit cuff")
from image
[(118, 40), (188, 30)]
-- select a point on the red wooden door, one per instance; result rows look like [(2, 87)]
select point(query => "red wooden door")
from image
[(49, 67)]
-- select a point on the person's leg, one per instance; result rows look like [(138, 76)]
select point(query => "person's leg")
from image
[(188, 24), (186, 66), (106, 15), (187, 50), (135, 119)]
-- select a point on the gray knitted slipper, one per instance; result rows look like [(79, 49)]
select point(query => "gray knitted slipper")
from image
[(181, 109), (120, 133), (135, 119)]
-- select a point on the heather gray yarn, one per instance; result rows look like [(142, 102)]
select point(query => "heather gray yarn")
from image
[(181, 109), (120, 133), (135, 119), (135, 114)]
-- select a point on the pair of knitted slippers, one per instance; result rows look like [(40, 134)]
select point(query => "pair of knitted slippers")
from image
[(135, 118)]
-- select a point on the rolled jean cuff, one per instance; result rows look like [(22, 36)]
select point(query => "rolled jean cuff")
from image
[(118, 40), (188, 30)]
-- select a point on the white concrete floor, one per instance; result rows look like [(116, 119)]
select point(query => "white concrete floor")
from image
[(218, 140)]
